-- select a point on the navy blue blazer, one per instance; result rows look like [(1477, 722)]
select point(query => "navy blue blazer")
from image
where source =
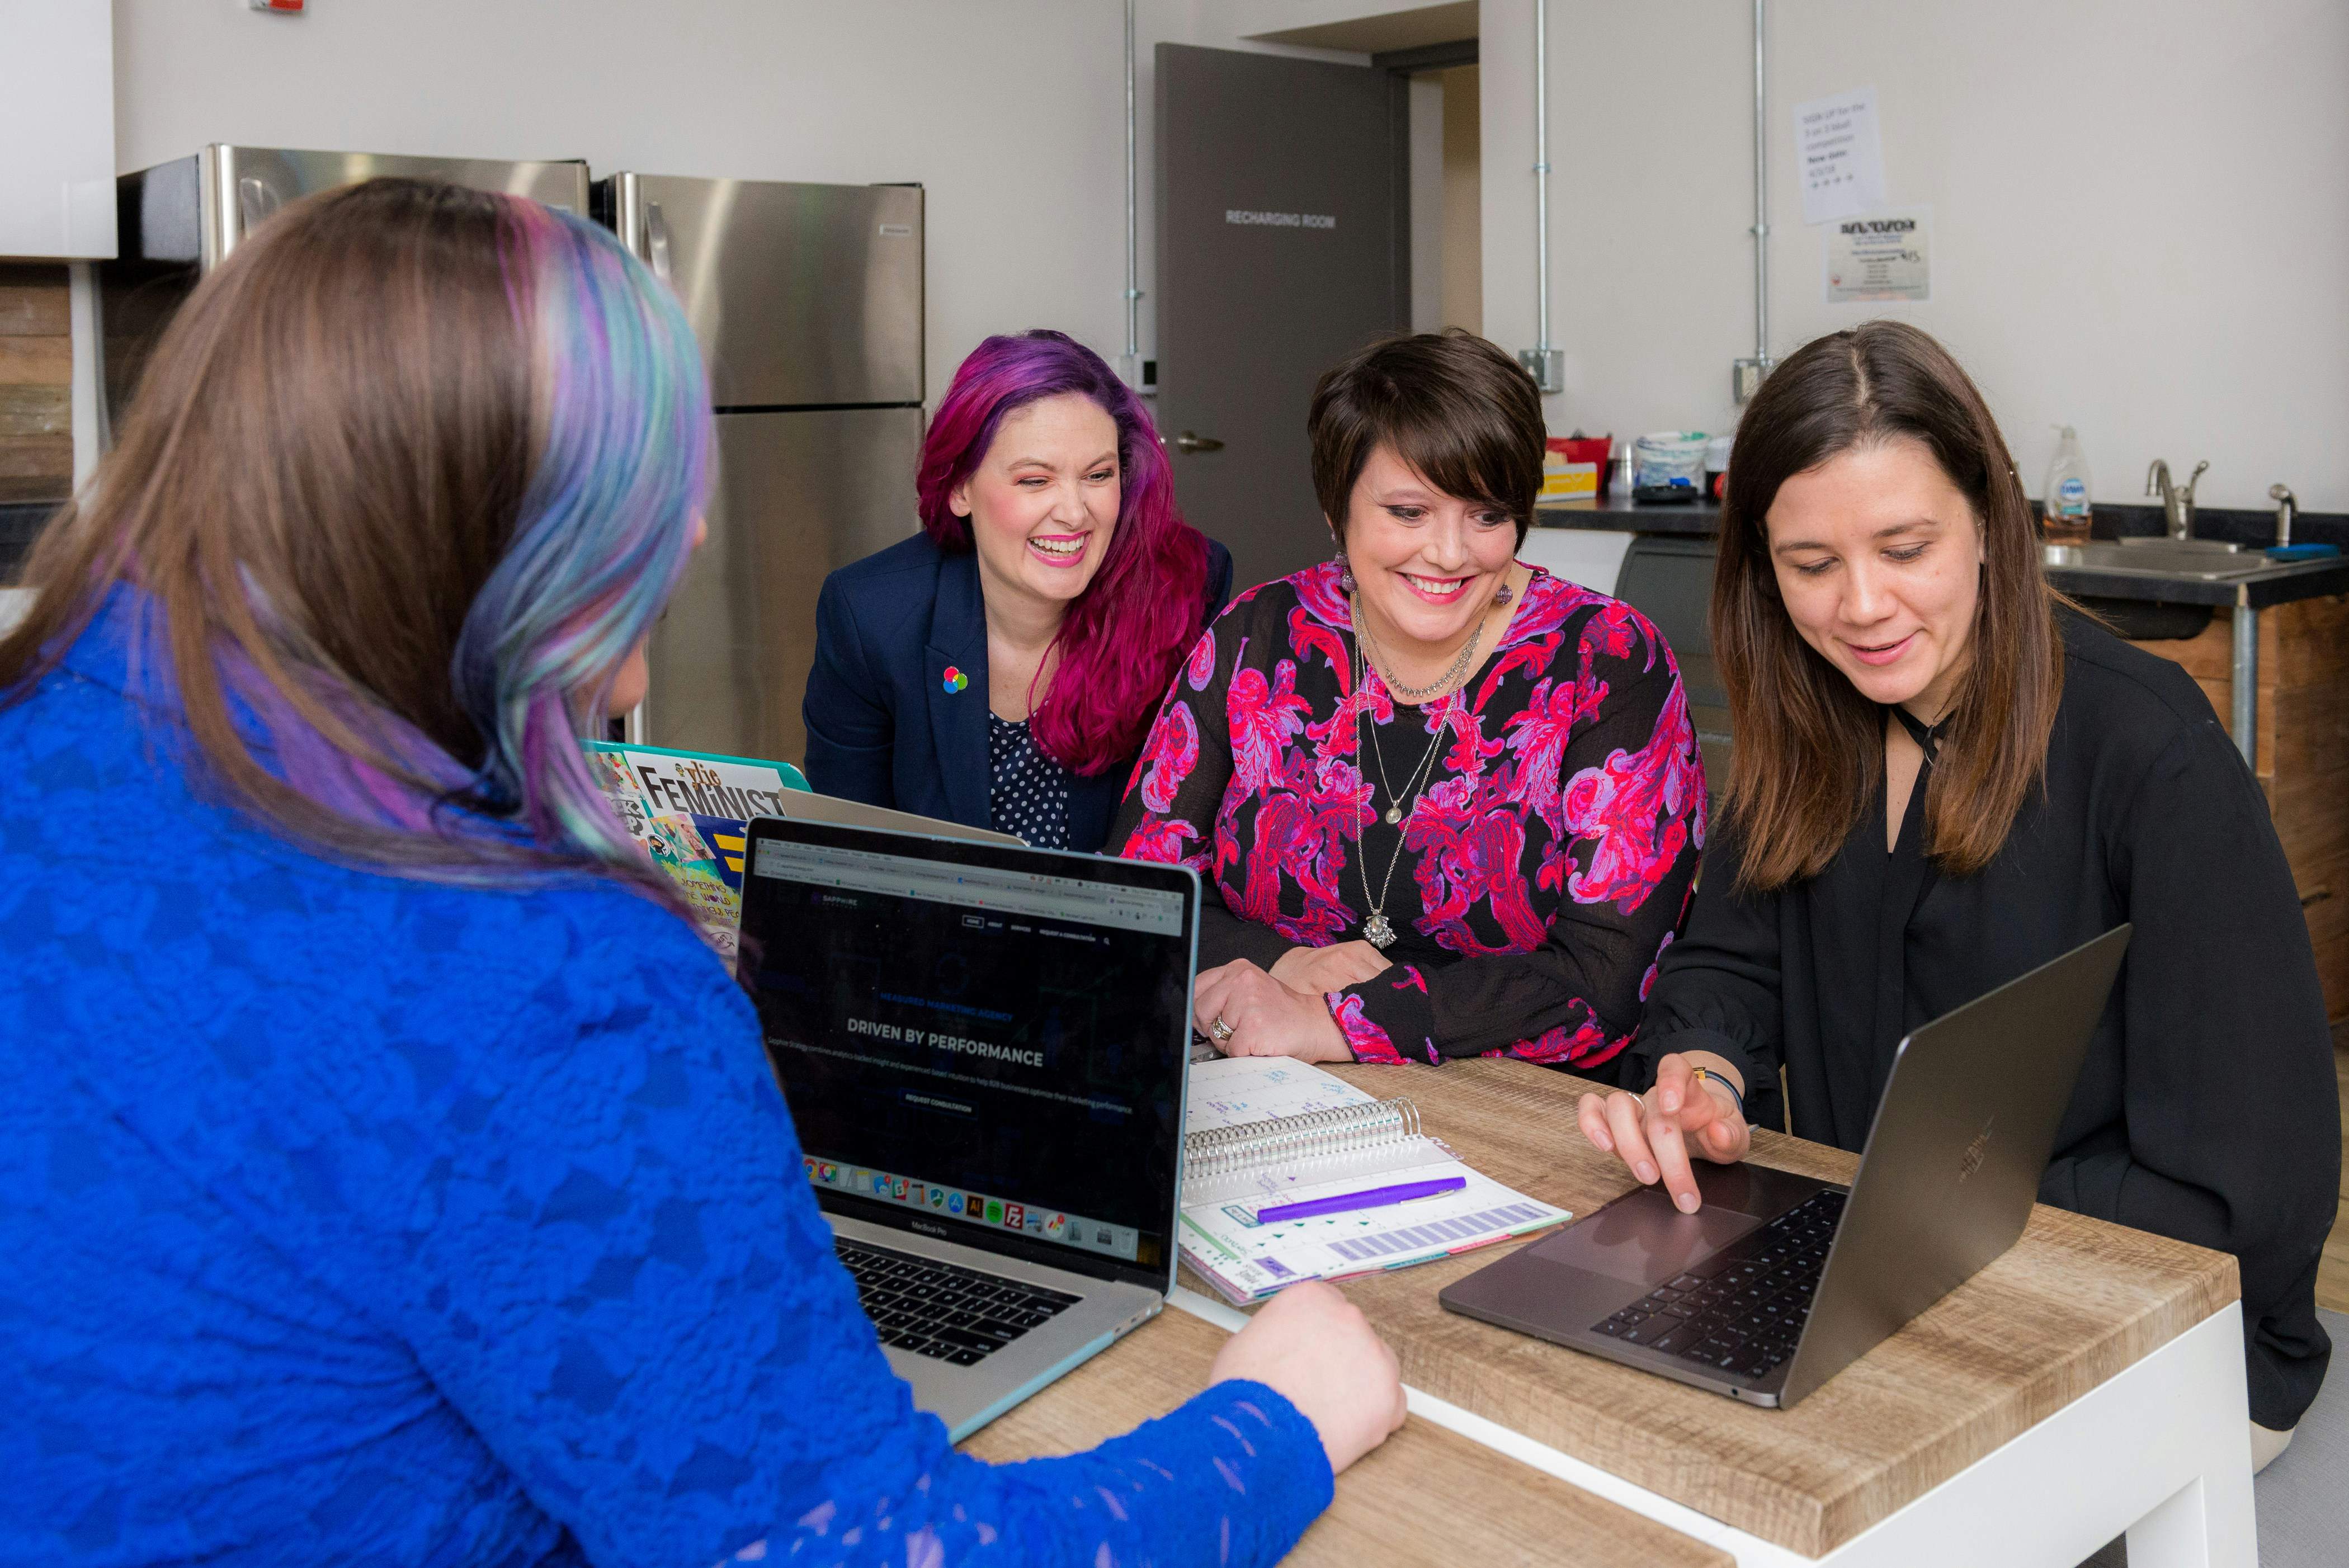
[(881, 725)]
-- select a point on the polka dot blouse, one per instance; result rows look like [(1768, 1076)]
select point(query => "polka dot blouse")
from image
[(1027, 792)]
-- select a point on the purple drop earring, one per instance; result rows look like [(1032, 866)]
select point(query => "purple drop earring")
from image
[(1503, 596)]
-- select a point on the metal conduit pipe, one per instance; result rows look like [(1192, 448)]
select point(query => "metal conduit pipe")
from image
[(1129, 364), (1746, 373), (1546, 365)]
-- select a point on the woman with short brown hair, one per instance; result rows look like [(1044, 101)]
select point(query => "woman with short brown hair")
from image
[(1945, 777), (1446, 804)]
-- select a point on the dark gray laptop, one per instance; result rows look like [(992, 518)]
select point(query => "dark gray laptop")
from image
[(1779, 1281), (983, 1046)]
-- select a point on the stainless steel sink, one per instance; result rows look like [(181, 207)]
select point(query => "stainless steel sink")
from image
[(2203, 560)]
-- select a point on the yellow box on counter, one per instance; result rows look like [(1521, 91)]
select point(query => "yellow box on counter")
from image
[(1571, 468), (1570, 481)]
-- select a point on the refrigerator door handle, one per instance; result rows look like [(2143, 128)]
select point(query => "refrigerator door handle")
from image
[(657, 242), (254, 201)]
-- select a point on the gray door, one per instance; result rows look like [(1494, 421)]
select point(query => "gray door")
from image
[(798, 495), (1279, 206), (800, 295)]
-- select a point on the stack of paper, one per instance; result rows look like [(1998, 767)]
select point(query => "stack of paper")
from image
[(1336, 1143)]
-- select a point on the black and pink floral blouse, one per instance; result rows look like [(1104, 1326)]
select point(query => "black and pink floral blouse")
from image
[(1547, 857)]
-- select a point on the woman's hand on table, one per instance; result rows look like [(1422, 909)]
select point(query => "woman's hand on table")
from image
[(1315, 1348), (1247, 1013), (1656, 1132), (1319, 970)]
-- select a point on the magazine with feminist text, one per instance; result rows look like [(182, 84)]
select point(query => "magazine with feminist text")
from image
[(691, 812)]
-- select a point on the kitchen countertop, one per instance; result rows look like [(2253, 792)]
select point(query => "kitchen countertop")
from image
[(2279, 583), (1623, 515)]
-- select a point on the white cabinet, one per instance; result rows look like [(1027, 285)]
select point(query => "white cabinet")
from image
[(56, 127)]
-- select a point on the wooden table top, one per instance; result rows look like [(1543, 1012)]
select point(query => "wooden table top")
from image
[(2074, 1302), (1426, 1495)]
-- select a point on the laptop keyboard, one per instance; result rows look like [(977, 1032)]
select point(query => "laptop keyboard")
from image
[(957, 1316), (1742, 1310)]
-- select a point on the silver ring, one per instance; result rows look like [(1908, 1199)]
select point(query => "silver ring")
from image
[(1221, 1030)]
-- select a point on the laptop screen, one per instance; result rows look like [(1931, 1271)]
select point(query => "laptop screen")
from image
[(983, 1043)]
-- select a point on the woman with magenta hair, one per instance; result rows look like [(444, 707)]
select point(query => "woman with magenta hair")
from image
[(998, 668), (389, 1174), (1445, 804)]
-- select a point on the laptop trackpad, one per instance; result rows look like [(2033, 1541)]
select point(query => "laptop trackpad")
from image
[(1643, 1238)]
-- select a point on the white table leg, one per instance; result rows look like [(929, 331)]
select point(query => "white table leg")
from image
[(2208, 1523)]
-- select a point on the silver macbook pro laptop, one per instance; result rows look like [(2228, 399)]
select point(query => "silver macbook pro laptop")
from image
[(983, 1046), (1779, 1282)]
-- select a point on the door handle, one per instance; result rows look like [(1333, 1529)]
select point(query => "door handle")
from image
[(254, 201), (1187, 443), (657, 242)]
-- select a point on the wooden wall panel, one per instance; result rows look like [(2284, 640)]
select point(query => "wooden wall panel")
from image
[(2303, 755), (35, 383)]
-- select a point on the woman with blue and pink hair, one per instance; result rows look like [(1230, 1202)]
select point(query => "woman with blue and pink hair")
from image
[(388, 1173), (999, 667)]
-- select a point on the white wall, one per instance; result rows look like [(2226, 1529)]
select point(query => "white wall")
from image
[(2198, 144), (57, 120), (1010, 112), (2140, 219)]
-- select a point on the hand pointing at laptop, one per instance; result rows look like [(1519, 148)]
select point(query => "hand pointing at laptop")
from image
[(1694, 1110)]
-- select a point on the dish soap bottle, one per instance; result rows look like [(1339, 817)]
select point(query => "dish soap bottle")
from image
[(2066, 506)]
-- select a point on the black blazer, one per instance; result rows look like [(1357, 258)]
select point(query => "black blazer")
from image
[(881, 725)]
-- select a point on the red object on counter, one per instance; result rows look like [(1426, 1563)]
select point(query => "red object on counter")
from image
[(1589, 449)]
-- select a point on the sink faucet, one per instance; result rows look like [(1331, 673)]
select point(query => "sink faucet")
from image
[(2176, 502), (2287, 507)]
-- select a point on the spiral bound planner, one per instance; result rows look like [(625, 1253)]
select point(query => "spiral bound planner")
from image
[(1266, 1135)]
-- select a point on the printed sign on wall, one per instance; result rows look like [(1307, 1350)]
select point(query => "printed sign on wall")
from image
[(1880, 256), (1841, 154)]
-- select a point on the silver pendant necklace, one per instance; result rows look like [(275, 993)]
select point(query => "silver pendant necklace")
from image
[(1376, 929)]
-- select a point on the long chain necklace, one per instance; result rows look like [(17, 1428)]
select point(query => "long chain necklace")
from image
[(1377, 929)]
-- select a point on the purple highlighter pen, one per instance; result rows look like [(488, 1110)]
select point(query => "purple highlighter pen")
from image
[(1374, 1197)]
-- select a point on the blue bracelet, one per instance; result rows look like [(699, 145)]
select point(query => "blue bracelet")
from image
[(1701, 1074)]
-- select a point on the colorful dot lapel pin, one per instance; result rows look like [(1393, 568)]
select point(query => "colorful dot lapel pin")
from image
[(956, 681)]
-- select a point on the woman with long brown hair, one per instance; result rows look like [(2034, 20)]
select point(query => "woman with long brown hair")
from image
[(1945, 777), (389, 1174)]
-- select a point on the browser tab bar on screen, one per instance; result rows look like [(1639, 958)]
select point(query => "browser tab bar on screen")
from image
[(1034, 893)]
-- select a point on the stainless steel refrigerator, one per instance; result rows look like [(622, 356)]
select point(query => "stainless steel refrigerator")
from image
[(180, 220), (808, 303)]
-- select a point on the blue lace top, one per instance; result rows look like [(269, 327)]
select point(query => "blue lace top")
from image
[(346, 1218)]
